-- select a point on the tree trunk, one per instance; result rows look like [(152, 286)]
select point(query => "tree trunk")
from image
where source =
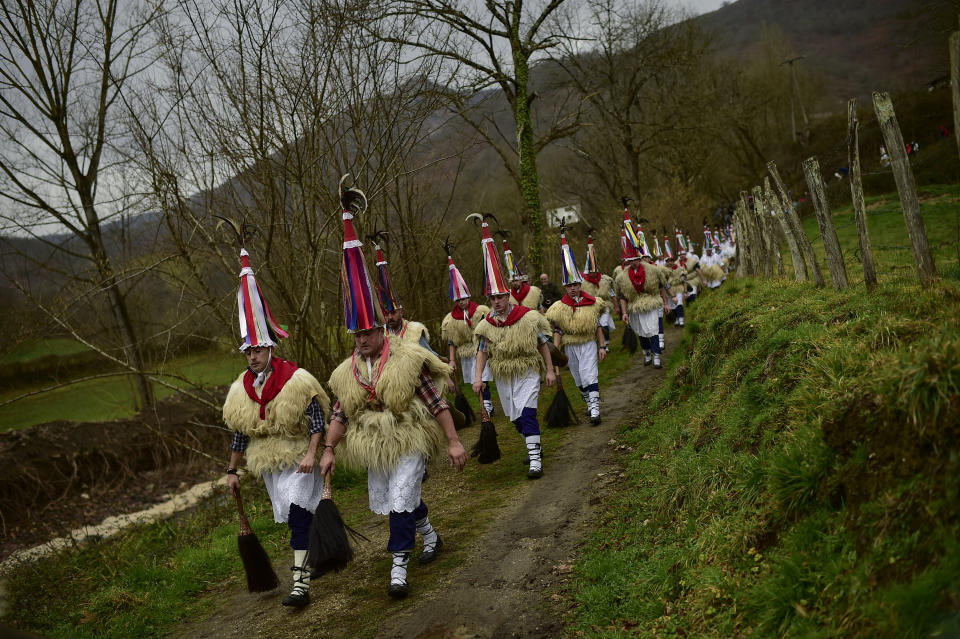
[(856, 194), (906, 187), (756, 239), (799, 267), (831, 245), (955, 84), (793, 219), (527, 165)]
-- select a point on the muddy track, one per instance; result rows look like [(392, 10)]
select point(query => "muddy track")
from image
[(507, 583)]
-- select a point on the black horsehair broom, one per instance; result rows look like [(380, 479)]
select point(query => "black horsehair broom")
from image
[(561, 414), (629, 340), (329, 546), (260, 574), (486, 450)]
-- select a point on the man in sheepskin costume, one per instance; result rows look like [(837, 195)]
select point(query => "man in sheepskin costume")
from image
[(523, 293), (643, 294), (576, 325), (599, 286), (513, 339), (276, 411), (457, 328), (390, 415), (407, 330)]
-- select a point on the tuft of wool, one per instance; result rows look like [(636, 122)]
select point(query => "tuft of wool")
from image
[(712, 273), (533, 298), (277, 441), (602, 292), (579, 325), (513, 350), (414, 331), (459, 333), (650, 299)]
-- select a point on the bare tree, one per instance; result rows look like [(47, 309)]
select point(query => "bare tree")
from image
[(63, 68), (491, 45)]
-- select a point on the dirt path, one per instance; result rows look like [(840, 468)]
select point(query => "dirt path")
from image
[(505, 589), (505, 585)]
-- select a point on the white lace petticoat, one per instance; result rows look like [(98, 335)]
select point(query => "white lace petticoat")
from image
[(397, 490)]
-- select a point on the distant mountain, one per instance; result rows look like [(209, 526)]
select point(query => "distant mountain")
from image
[(857, 46)]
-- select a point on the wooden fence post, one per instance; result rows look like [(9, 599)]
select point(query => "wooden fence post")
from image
[(831, 245), (856, 195), (799, 267), (756, 240), (793, 219), (760, 214), (906, 187), (744, 258)]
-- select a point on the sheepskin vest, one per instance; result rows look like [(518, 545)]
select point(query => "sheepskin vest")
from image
[(650, 299), (601, 292), (411, 332), (280, 440), (461, 333), (712, 273), (533, 299), (678, 279), (395, 423), (513, 350), (579, 324)]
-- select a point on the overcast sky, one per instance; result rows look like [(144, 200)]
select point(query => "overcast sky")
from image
[(700, 6)]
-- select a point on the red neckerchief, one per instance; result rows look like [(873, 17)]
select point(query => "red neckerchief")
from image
[(371, 387), (637, 277), (585, 300), (683, 262), (282, 372), (511, 319), (593, 278), (674, 266), (458, 313), (520, 294)]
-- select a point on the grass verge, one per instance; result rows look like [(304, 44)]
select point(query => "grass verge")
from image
[(151, 579), (798, 472)]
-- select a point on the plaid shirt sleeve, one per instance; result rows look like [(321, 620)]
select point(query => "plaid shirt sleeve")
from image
[(239, 442), (338, 414), (315, 413), (430, 394)]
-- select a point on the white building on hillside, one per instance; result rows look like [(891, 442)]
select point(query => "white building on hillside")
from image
[(569, 213)]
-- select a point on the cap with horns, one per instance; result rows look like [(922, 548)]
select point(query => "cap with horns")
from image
[(258, 326), (361, 309), (386, 291), (569, 272), (493, 280), (458, 286), (627, 250), (590, 264), (513, 269)]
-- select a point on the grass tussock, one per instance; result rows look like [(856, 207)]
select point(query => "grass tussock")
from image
[(796, 475)]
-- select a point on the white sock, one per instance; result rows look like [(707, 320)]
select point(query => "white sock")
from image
[(488, 406), (301, 574), (398, 573), (656, 359), (428, 533), (594, 403), (534, 452)]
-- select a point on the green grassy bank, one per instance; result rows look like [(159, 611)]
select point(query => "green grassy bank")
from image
[(797, 474)]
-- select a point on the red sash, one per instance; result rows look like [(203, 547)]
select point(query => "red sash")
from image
[(512, 318), (638, 277), (458, 313), (519, 294), (585, 300), (282, 372)]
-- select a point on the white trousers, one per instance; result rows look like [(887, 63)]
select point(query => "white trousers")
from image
[(583, 362), (287, 487), (607, 320), (518, 393), (469, 364), (399, 489), (646, 324)]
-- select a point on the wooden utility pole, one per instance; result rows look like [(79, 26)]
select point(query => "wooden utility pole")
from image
[(831, 245), (906, 187), (955, 84), (795, 97), (856, 194), (796, 255), (793, 219)]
